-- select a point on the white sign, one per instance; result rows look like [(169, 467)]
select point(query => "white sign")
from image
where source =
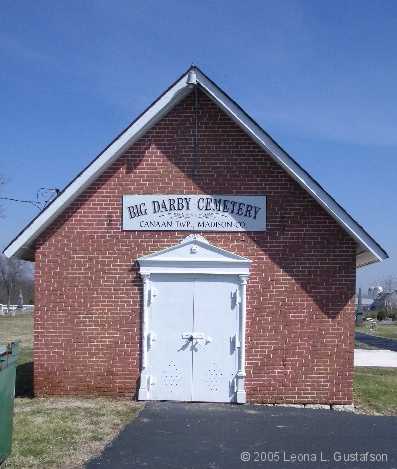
[(194, 212)]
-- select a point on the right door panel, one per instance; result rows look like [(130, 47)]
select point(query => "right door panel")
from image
[(215, 357)]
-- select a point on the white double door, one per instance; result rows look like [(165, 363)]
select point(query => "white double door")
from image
[(193, 337)]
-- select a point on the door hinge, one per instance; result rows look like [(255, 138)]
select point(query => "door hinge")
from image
[(153, 293), (236, 298), (233, 385), (151, 381), (235, 341), (152, 337)]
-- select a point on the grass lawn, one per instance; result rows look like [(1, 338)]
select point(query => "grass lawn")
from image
[(375, 390), (17, 327), (388, 331), (56, 432), (64, 433), (20, 327)]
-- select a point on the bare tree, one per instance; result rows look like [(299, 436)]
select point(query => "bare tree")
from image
[(388, 283), (11, 271), (391, 304), (385, 285)]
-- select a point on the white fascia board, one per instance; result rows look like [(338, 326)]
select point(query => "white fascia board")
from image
[(292, 168), (152, 115)]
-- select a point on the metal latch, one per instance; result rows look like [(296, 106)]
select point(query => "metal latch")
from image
[(196, 336)]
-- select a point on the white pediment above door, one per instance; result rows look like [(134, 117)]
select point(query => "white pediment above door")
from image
[(194, 255)]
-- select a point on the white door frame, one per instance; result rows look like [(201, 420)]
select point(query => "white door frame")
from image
[(194, 255)]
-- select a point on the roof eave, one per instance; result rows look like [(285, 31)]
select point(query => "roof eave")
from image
[(366, 257)]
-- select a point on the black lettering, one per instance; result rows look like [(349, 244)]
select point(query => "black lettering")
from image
[(156, 224), (201, 199), (164, 206), (187, 201), (156, 206), (137, 210), (142, 209), (233, 204), (208, 203), (225, 205), (240, 208), (248, 210), (180, 203), (256, 210), (218, 204), (171, 205), (132, 211)]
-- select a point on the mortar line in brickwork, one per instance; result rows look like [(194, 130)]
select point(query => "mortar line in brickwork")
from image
[(285, 337)]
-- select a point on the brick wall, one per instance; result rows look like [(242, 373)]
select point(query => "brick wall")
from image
[(299, 296)]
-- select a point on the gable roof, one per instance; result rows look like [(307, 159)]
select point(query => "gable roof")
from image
[(368, 250)]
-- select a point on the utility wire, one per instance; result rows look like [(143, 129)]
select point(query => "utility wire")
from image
[(47, 194), (32, 202)]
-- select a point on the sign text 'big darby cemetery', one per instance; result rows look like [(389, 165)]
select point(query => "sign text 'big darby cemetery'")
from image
[(194, 212)]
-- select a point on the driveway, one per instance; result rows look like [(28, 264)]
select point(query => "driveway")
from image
[(213, 436), (378, 342)]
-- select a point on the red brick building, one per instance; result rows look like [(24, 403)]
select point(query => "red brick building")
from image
[(194, 259)]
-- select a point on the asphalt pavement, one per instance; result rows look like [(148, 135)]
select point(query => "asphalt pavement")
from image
[(214, 436), (378, 342)]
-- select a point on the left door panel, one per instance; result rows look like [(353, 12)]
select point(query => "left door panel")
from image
[(170, 356)]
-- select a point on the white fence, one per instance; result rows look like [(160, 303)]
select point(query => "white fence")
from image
[(12, 310)]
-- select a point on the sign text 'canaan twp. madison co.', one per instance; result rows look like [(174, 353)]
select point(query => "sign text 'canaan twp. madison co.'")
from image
[(194, 212)]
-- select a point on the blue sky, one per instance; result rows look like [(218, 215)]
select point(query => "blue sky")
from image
[(320, 77)]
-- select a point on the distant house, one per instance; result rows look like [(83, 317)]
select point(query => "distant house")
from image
[(366, 303)]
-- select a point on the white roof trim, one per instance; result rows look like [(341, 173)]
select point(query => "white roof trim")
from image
[(369, 250)]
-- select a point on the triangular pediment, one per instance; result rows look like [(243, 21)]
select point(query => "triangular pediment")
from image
[(194, 254)]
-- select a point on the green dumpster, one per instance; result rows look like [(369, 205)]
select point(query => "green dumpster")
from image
[(8, 358)]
